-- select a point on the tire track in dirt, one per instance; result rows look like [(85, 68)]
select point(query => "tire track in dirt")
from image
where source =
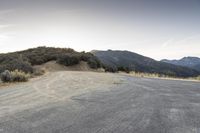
[(47, 91)]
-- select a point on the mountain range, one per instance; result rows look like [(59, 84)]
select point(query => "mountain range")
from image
[(135, 62), (110, 60), (191, 62)]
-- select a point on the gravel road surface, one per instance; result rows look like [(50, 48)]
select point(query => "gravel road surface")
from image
[(87, 102)]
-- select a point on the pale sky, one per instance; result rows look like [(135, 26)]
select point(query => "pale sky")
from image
[(155, 28)]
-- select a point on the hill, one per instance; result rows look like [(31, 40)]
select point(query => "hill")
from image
[(116, 60), (25, 60), (191, 62), (56, 58), (52, 66)]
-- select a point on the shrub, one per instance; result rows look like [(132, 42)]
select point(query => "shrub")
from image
[(198, 78), (110, 69), (40, 55), (12, 62), (68, 60), (6, 76), (19, 76), (124, 69), (85, 56), (93, 62)]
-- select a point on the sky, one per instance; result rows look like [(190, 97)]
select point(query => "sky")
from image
[(160, 29)]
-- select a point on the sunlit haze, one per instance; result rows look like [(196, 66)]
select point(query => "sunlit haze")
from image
[(155, 28)]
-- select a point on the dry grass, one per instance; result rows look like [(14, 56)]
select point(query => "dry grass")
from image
[(140, 74), (155, 75), (195, 78), (19, 76)]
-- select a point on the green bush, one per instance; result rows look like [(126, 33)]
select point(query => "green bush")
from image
[(14, 61), (6, 76), (85, 56), (110, 69), (68, 60), (124, 69), (94, 63)]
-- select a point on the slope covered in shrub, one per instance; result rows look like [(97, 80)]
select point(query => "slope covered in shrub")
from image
[(24, 60)]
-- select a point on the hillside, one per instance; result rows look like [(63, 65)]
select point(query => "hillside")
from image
[(139, 63), (191, 62), (52, 59), (52, 66), (197, 67), (25, 60)]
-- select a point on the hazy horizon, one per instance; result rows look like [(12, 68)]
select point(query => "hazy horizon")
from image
[(158, 29), (97, 50)]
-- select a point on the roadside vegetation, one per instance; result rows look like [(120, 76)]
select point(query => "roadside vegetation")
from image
[(14, 76), (18, 64), (156, 75), (197, 78)]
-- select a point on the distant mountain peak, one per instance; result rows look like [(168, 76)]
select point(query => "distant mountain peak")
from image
[(190, 61), (190, 58)]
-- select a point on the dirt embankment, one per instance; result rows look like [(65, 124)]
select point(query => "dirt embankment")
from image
[(52, 66)]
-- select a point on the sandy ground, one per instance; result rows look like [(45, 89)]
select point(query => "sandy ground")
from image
[(52, 87)]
